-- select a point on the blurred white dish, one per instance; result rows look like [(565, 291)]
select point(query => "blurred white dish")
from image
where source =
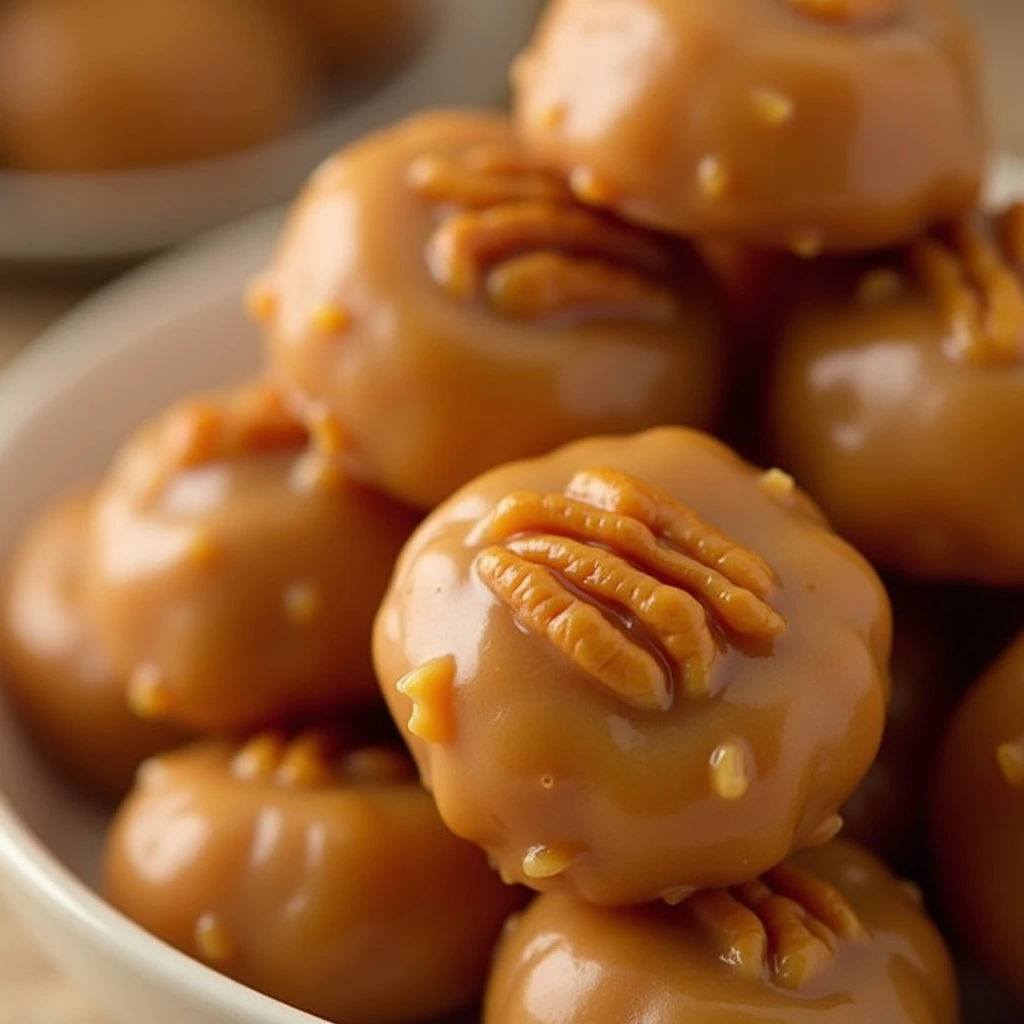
[(171, 328), (69, 218)]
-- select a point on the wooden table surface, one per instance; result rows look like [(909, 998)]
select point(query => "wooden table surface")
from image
[(32, 992)]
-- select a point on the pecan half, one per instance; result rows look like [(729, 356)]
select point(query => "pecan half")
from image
[(787, 925), (514, 237), (976, 284), (627, 582), (252, 421)]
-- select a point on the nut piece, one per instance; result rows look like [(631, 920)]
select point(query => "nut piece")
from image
[(429, 687), (635, 598), (788, 923), (514, 236), (976, 284)]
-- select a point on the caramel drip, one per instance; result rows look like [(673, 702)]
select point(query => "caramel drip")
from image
[(976, 285), (853, 13), (785, 927), (573, 566), (253, 421), (309, 760), (513, 236)]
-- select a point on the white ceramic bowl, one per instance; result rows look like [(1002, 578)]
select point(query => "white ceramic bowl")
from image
[(46, 218), (172, 328)]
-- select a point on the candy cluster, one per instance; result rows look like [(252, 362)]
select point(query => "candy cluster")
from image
[(500, 478)]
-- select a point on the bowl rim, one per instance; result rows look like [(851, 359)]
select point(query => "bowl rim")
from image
[(74, 346)]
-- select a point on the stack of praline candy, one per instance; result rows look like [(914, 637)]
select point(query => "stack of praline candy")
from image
[(647, 679)]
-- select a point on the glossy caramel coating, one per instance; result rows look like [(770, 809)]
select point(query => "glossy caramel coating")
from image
[(978, 835), (358, 36), (830, 937), (53, 668), (108, 84), (889, 812), (635, 667), (452, 307), (897, 400), (233, 575), (313, 870), (809, 125)]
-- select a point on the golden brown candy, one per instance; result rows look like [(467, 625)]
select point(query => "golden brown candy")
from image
[(830, 935), (804, 125), (131, 83), (635, 667), (313, 870), (888, 813), (451, 307), (233, 574), (978, 835), (53, 668), (897, 399)]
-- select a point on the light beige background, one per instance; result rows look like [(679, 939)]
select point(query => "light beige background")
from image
[(30, 991)]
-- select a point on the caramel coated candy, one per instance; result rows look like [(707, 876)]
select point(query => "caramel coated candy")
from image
[(888, 813), (312, 870), (978, 838), (795, 124), (897, 399), (636, 667), (452, 307), (106, 84), (830, 936), (55, 671), (233, 574)]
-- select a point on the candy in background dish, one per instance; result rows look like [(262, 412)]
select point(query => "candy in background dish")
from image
[(169, 330), (119, 215)]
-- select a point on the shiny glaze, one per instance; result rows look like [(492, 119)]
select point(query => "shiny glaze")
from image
[(53, 668), (565, 962), (235, 585), (912, 446), (391, 307), (132, 83), (978, 834), (754, 121), (628, 797), (888, 813), (313, 870)]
